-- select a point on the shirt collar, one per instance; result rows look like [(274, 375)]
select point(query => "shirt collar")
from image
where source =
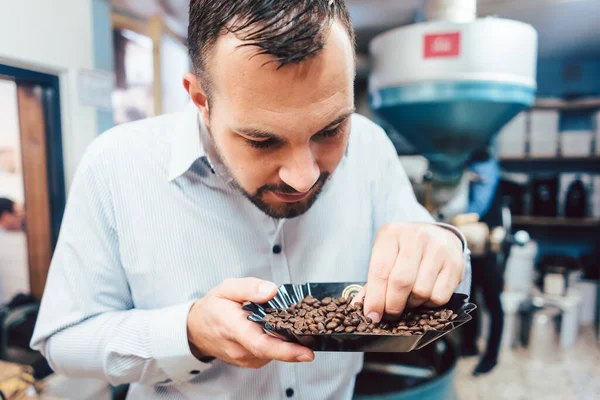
[(186, 146), (191, 142)]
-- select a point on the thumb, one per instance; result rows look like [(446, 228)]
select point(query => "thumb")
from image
[(246, 289)]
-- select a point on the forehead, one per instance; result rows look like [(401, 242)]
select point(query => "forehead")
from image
[(246, 81)]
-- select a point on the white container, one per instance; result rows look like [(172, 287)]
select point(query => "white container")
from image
[(595, 197), (597, 128), (589, 293), (510, 306), (513, 137), (576, 143), (570, 306), (520, 268), (543, 137)]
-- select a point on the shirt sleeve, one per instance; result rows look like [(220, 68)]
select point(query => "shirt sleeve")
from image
[(395, 200), (87, 325)]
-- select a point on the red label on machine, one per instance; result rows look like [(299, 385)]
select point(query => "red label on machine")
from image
[(442, 45)]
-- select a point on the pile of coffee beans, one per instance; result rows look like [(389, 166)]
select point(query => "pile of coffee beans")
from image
[(338, 315)]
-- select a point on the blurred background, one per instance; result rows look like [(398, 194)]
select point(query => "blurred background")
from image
[(493, 106)]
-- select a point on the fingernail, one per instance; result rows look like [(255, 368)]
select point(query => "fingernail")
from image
[(304, 358), (374, 317), (265, 289)]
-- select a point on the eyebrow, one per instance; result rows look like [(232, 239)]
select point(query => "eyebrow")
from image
[(260, 134)]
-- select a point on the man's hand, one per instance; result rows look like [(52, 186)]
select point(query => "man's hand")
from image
[(218, 327), (412, 265)]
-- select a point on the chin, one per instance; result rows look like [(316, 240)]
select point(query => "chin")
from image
[(286, 210)]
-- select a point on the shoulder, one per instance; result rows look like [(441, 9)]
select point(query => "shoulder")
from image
[(369, 139), (131, 143)]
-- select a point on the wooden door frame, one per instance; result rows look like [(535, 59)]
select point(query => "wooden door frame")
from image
[(54, 149)]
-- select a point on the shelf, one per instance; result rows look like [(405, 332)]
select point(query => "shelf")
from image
[(563, 164), (556, 221), (583, 104)]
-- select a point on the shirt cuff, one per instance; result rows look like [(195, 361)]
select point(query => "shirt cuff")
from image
[(465, 286), (170, 347)]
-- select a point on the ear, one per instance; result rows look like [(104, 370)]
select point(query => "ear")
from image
[(197, 95)]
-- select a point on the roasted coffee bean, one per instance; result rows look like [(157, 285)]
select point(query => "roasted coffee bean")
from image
[(414, 328), (332, 325), (339, 329), (326, 301), (302, 313), (440, 326), (442, 320), (342, 300), (453, 317), (376, 330), (417, 333), (337, 320), (355, 321), (329, 332), (320, 318), (350, 329), (331, 314), (340, 315), (310, 300), (362, 328), (320, 326), (331, 307), (427, 328), (423, 322)]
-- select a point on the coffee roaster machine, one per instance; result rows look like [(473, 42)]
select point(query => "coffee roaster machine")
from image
[(447, 86)]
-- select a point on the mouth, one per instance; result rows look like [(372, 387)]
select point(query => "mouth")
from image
[(291, 198)]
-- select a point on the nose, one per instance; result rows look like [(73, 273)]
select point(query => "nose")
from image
[(300, 171)]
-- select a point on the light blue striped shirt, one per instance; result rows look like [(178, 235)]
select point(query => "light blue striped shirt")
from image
[(153, 223)]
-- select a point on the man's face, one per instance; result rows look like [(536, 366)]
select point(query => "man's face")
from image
[(13, 221), (281, 133)]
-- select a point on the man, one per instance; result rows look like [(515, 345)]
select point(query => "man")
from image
[(485, 200), (14, 271), (174, 222)]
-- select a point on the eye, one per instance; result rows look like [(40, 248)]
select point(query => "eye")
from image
[(330, 133), (262, 144)]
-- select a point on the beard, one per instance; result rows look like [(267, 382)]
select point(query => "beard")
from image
[(284, 210)]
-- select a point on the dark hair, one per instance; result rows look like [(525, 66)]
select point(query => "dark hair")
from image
[(289, 30), (6, 206)]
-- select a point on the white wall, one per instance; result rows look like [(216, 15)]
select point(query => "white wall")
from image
[(54, 36), (11, 182)]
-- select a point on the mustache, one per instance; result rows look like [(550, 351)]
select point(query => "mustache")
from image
[(287, 189)]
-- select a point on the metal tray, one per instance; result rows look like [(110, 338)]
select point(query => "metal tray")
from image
[(351, 342)]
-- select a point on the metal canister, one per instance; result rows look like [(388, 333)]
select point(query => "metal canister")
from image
[(540, 331)]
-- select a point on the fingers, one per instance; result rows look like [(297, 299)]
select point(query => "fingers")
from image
[(383, 258), (263, 346), (445, 285), (246, 289), (404, 274), (431, 265)]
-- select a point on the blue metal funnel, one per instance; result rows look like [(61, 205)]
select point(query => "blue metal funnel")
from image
[(447, 121)]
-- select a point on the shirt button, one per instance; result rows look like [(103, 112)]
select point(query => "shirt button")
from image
[(277, 249), (289, 392)]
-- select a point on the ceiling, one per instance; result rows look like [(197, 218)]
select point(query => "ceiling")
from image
[(566, 28)]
